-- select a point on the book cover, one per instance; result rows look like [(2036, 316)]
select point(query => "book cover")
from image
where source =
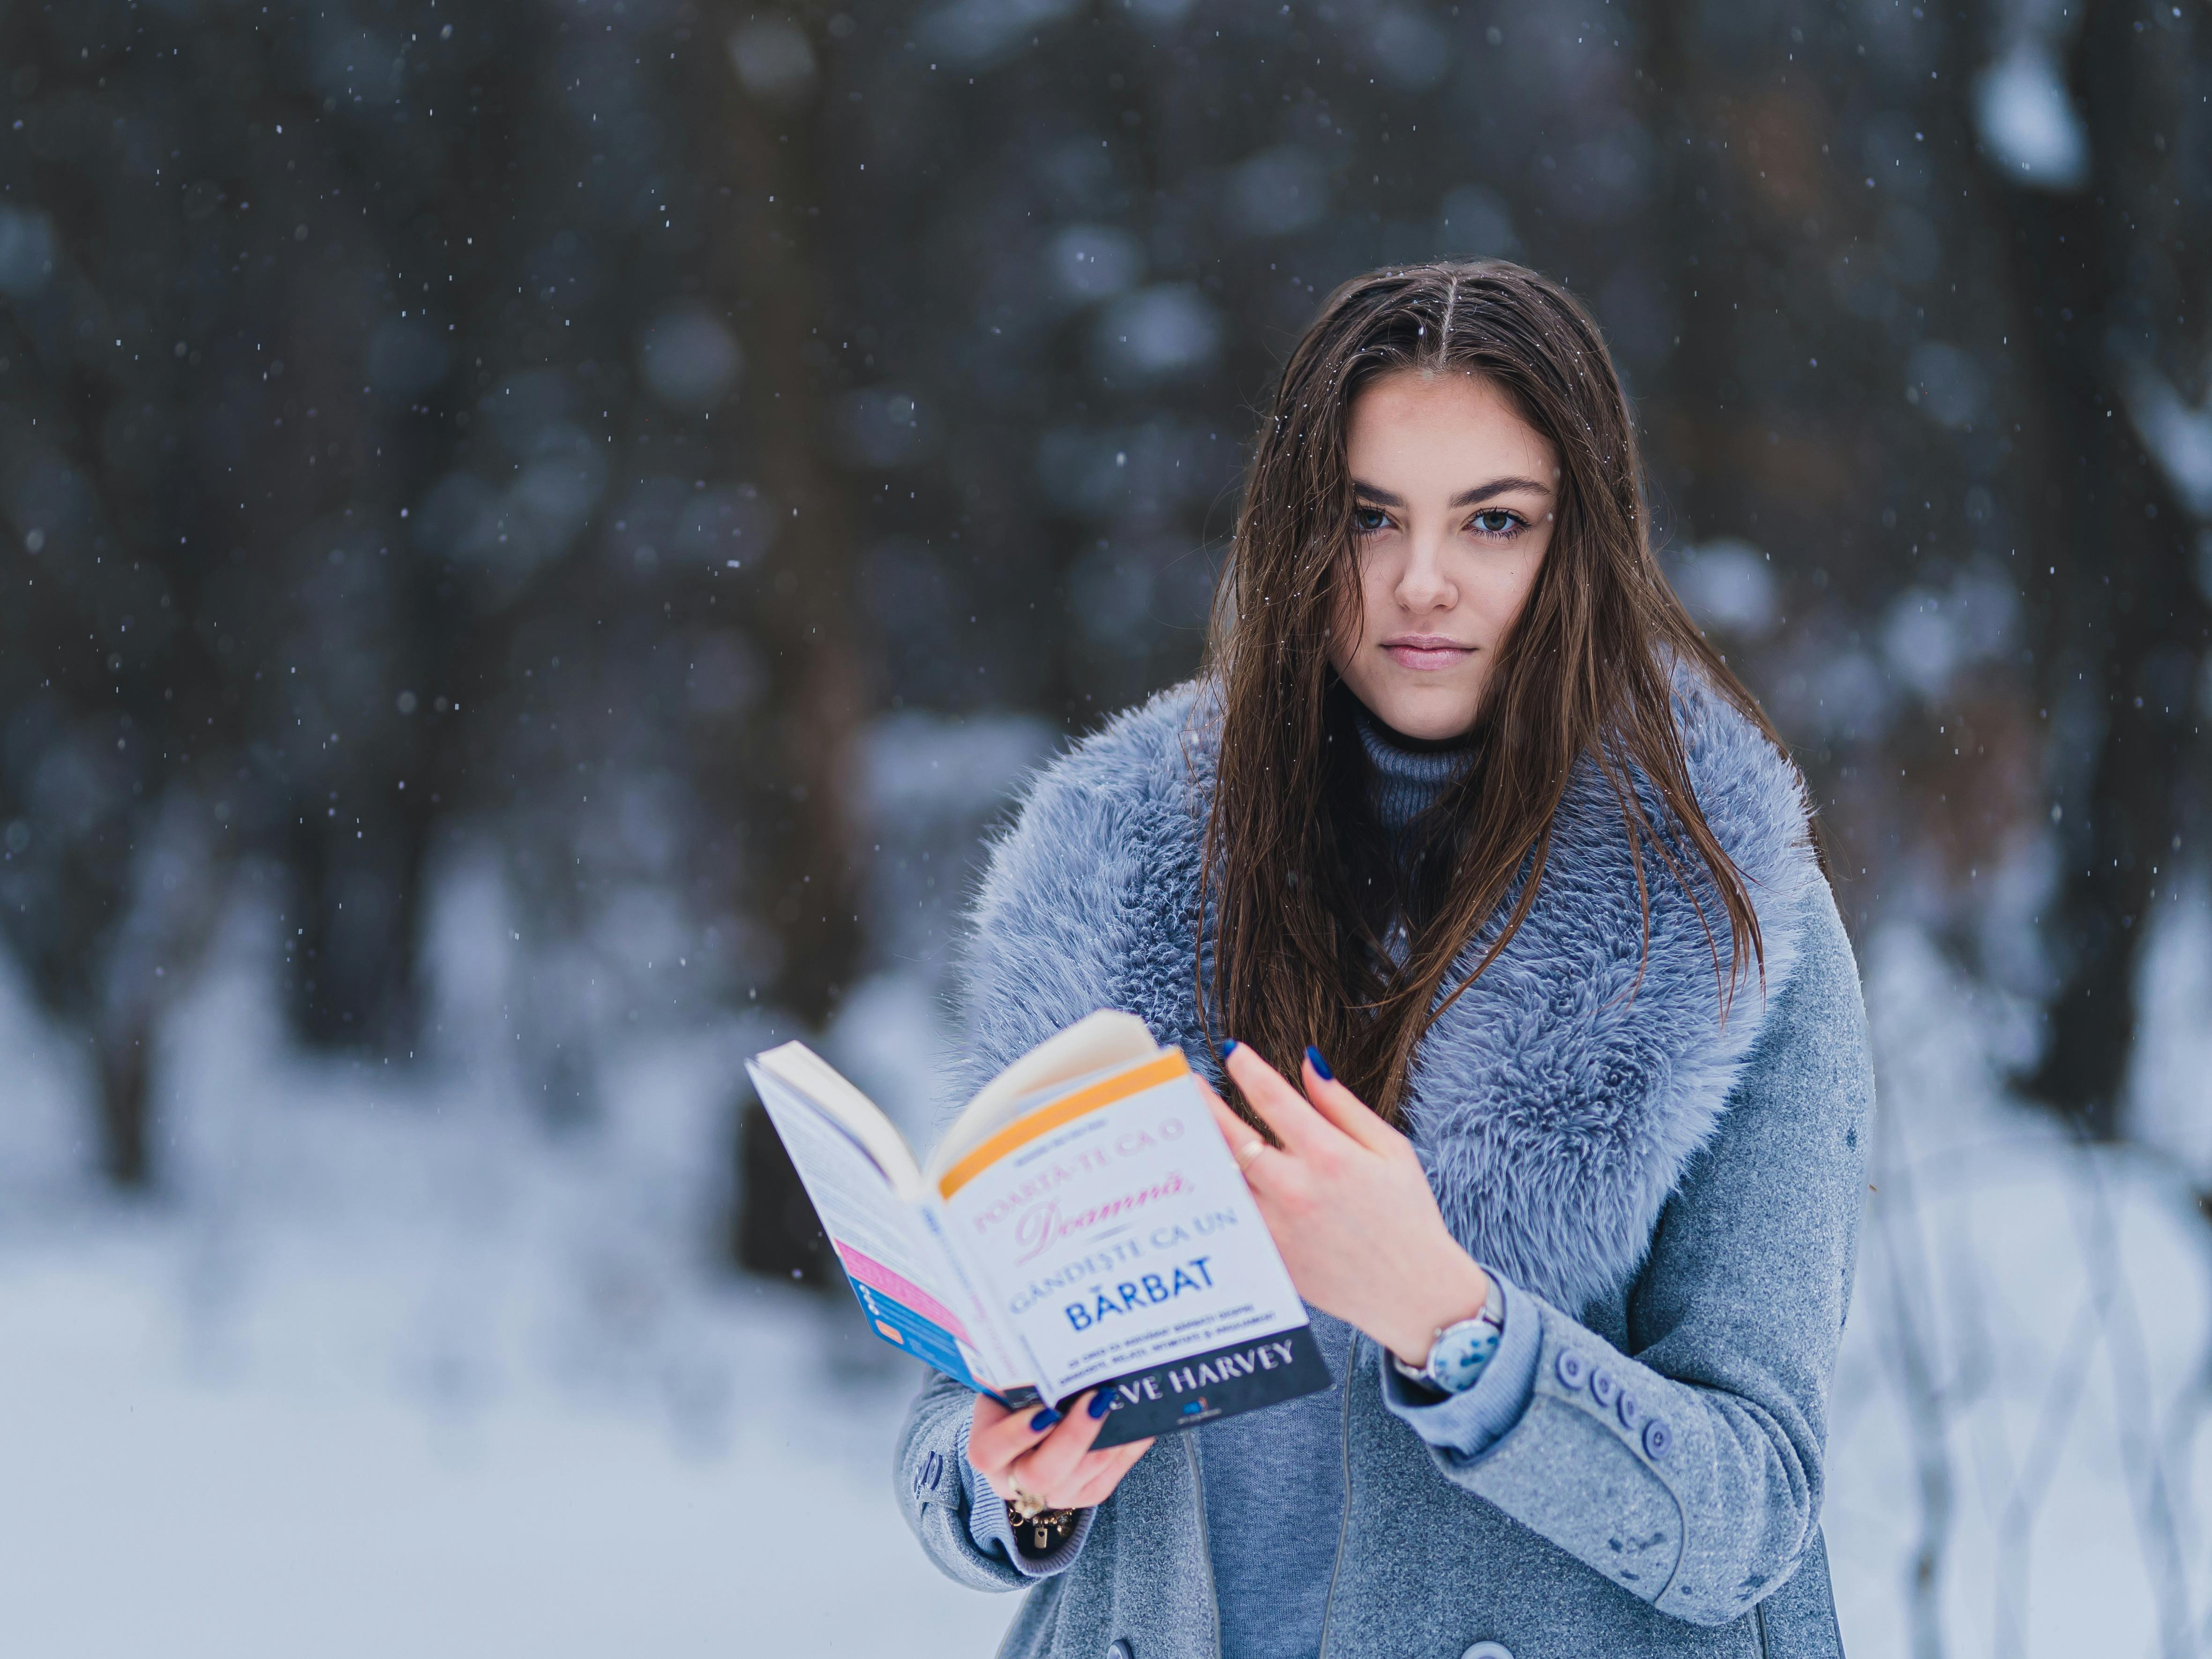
[(1092, 1232)]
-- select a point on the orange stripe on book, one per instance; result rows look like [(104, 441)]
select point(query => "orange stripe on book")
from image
[(1170, 1064)]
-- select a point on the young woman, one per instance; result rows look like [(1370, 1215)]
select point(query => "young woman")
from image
[(1465, 828)]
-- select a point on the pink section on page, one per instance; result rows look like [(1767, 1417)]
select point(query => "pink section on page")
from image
[(876, 1277)]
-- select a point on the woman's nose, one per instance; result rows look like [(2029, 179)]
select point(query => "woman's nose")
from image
[(1425, 585)]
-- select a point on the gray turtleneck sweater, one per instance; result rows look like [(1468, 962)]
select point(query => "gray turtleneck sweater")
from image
[(1271, 1581), (1403, 781)]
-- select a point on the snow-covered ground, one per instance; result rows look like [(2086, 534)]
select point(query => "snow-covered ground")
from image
[(393, 1370), (315, 1491), (2021, 1397)]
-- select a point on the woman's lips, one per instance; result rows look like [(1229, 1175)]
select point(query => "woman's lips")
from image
[(1427, 655)]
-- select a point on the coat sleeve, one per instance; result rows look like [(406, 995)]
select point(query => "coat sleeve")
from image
[(961, 1521), (1687, 1469), (1469, 1423)]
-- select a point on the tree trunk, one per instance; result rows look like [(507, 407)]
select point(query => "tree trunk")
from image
[(802, 850), (125, 1126), (353, 977), (2123, 631)]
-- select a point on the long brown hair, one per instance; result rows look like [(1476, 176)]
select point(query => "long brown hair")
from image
[(1290, 870)]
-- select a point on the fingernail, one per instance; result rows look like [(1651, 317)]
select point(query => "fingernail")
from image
[(1319, 1065), (1101, 1403), (1044, 1421), (1227, 1049)]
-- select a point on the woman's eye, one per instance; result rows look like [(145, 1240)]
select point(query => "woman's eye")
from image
[(1369, 520), (1496, 522)]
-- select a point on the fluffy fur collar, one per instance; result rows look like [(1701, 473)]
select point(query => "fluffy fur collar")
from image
[(1555, 1111)]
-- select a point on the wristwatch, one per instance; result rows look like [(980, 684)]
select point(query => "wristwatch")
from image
[(1458, 1352)]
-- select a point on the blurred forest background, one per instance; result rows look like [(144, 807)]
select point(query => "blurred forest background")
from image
[(659, 471)]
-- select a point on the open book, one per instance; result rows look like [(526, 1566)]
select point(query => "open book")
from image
[(1082, 1223)]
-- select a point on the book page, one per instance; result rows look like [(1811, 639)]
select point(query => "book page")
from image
[(1112, 1229), (1098, 1042), (825, 1088), (895, 1265)]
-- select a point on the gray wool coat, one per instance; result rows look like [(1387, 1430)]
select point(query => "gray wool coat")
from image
[(1675, 1197)]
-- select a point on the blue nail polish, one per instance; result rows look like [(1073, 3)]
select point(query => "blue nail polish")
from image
[(1226, 1048), (1101, 1403), (1319, 1065), (1044, 1421)]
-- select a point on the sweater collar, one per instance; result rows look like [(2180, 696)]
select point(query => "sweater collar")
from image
[(1406, 781)]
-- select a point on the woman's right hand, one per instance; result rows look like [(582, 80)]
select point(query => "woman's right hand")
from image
[(1046, 1455)]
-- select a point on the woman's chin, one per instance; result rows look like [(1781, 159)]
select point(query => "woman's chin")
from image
[(1425, 714)]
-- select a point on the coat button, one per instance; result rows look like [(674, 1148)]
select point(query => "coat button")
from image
[(1571, 1368), (1119, 1650), (1603, 1386), (1657, 1436), (1630, 1413), (1488, 1650)]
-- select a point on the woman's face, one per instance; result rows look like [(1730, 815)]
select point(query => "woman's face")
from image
[(1454, 499)]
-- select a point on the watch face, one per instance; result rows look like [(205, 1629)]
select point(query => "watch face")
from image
[(1459, 1352)]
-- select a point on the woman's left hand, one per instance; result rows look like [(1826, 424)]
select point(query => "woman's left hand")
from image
[(1349, 1207)]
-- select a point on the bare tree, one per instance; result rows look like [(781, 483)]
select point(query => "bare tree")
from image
[(801, 765), (2108, 266)]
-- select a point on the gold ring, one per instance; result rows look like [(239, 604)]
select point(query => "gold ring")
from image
[(1252, 1149)]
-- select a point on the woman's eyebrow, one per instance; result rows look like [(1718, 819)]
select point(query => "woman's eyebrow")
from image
[(1496, 487), (1465, 498)]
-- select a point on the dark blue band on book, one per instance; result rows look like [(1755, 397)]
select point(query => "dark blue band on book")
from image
[(1240, 1377)]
